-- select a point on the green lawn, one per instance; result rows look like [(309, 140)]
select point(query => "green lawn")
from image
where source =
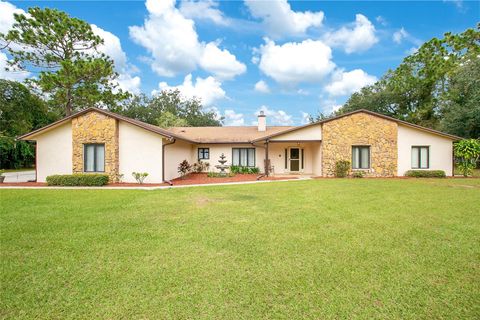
[(318, 249)]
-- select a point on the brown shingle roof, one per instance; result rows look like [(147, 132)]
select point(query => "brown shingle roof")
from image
[(225, 134)]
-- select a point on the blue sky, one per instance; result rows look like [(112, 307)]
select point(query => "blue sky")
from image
[(287, 58)]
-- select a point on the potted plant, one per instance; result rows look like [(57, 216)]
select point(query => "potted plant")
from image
[(2, 177)]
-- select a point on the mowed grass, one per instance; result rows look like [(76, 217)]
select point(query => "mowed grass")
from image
[(319, 249)]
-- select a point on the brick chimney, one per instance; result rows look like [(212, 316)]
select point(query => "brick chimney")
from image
[(262, 121)]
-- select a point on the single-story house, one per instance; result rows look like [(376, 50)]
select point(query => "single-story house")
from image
[(96, 140)]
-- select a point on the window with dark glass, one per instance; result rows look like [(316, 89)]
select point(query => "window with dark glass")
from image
[(244, 157), (203, 153), (94, 157), (420, 157), (360, 157)]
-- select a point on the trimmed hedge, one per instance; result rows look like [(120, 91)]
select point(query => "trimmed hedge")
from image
[(244, 170), (78, 179), (425, 173)]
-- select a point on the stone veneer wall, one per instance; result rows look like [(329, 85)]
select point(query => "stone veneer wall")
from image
[(338, 137), (94, 127)]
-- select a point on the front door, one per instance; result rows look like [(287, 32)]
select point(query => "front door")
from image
[(294, 159)]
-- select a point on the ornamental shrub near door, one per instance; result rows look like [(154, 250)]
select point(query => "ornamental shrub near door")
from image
[(78, 179)]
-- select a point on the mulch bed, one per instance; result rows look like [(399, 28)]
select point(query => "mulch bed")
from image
[(193, 178)]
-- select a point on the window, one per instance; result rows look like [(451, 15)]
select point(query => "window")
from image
[(244, 157), (361, 157), (94, 157), (420, 157), (203, 153)]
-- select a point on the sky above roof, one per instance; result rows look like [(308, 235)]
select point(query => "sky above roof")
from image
[(289, 59)]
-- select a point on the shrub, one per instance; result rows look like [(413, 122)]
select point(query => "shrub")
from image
[(140, 176), (425, 173), (244, 170), (184, 167), (200, 166), (77, 179), (217, 175), (341, 168), (358, 174), (467, 153)]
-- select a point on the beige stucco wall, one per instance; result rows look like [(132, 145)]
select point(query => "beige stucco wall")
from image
[(139, 151), (54, 152), (310, 133), (174, 154), (360, 129), (311, 153), (440, 149), (95, 127), (216, 151)]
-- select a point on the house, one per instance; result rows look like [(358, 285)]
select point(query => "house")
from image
[(96, 140)]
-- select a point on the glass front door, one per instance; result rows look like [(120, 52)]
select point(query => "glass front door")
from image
[(294, 159)]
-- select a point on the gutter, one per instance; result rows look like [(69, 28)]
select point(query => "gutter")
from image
[(172, 141)]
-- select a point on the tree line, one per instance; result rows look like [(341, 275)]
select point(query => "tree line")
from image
[(438, 87)]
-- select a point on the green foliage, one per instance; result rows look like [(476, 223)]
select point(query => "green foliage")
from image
[(140, 176), (78, 179), (218, 175), (64, 50), (244, 170), (168, 108), (425, 174), (358, 174), (200, 166), (422, 88), (20, 112), (342, 167), (184, 168), (467, 153)]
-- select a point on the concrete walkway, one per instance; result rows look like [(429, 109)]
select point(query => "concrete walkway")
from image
[(20, 176), (151, 188)]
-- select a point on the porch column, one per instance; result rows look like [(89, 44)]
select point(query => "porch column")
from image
[(267, 164)]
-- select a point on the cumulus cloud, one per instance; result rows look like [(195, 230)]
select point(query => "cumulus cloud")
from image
[(399, 35), (112, 47), (203, 10), (280, 20), (262, 86), (345, 83), (305, 118), (232, 118), (209, 90), (276, 117), (6, 15), (294, 62), (174, 47), (358, 36), (11, 75)]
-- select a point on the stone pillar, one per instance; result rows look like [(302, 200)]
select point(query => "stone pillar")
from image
[(95, 127)]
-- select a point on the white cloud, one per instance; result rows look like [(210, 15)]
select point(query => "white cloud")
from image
[(221, 62), (292, 62), (262, 86), (276, 117), (172, 41), (358, 36), (11, 75), (203, 10), (382, 20), (112, 47), (6, 15), (305, 118), (399, 35), (345, 83), (280, 20), (209, 90), (231, 118)]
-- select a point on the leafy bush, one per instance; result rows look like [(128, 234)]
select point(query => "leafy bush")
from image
[(341, 168), (425, 173), (467, 153), (184, 168), (200, 166), (77, 179), (358, 174), (244, 170), (140, 176), (217, 175)]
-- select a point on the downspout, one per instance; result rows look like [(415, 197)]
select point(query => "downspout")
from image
[(265, 174), (163, 161)]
